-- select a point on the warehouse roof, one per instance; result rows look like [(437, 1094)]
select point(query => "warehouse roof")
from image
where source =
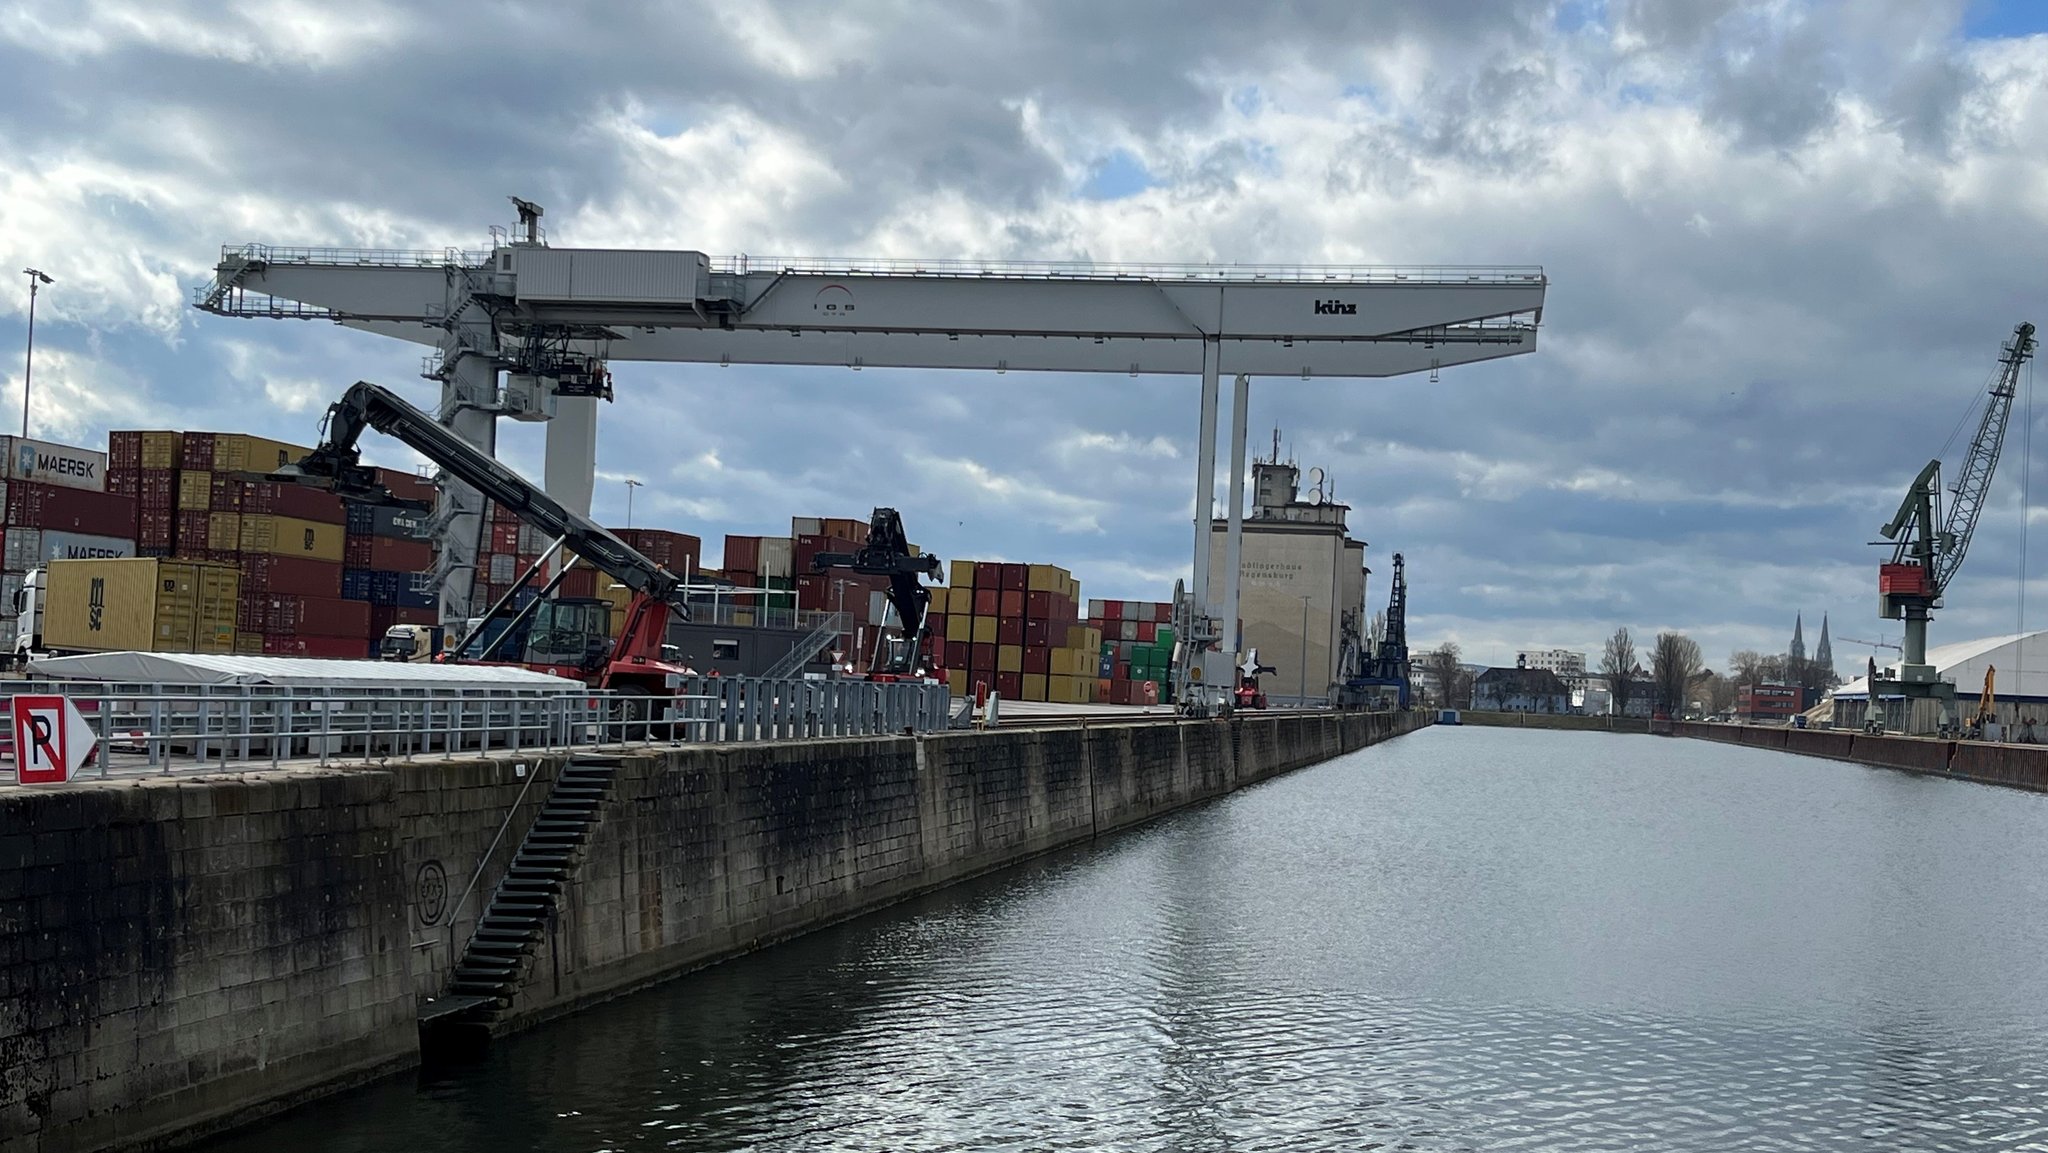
[(232, 669), (2020, 658)]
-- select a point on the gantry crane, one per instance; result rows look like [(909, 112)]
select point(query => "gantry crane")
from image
[(551, 320), (1928, 548), (567, 636), (1386, 666)]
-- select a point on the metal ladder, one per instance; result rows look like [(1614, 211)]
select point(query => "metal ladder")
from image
[(494, 964), (833, 627)]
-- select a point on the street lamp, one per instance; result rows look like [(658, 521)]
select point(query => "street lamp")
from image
[(36, 279), (631, 484), (1304, 650)]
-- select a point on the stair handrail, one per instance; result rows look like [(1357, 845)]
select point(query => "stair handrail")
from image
[(484, 861), (800, 654)]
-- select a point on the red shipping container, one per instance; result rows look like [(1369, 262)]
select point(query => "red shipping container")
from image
[(743, 553), (582, 581), (322, 648), (382, 617), (1012, 605), (1039, 633), (1112, 610), (406, 485), (197, 451), (292, 575), (675, 551), (987, 575), (1037, 660), (155, 528), (1010, 631), (49, 506), (191, 538), (309, 616), (1011, 685), (124, 450), (1147, 632), (981, 658), (505, 539), (987, 602), (1015, 576), (263, 497), (121, 481), (807, 548), (1038, 606), (388, 554)]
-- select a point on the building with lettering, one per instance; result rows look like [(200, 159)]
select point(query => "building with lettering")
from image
[(1300, 572)]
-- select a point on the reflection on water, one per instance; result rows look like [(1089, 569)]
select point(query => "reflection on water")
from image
[(1464, 939)]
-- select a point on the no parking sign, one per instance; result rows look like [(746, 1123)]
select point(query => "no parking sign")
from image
[(51, 739)]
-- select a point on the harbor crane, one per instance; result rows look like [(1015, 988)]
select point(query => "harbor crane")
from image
[(1928, 547), (552, 320), (1370, 674), (565, 636)]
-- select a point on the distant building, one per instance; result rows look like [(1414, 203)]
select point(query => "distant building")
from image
[(1569, 666), (1520, 690), (1599, 699), (1769, 704)]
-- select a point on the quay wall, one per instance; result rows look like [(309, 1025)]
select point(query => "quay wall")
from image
[(2017, 766), (1573, 721), (179, 955)]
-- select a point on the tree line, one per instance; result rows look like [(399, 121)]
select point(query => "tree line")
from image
[(1676, 677)]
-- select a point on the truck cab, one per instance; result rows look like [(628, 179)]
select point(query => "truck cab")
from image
[(28, 604), (411, 643)]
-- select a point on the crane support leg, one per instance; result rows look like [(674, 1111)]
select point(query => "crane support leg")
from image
[(1205, 478), (569, 468), (1240, 403), (468, 396)]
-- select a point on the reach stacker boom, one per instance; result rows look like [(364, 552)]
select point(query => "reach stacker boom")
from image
[(565, 636)]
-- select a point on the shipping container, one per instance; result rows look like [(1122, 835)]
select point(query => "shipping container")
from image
[(129, 450), (961, 574), (777, 557), (249, 644), (25, 548), (406, 485), (238, 452), (141, 604), (122, 482), (383, 520), (294, 576), (225, 493), (43, 462), (277, 535), (390, 554), (155, 532), (193, 536), (320, 648), (275, 614), (743, 553), (156, 489), (677, 552), (68, 509), (195, 491)]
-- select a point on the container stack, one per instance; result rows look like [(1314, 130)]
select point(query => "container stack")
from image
[(54, 504), (1016, 629), (1136, 652), (144, 465), (384, 552), (286, 541)]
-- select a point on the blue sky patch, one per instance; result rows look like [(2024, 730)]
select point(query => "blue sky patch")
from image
[(2001, 19), (1116, 176)]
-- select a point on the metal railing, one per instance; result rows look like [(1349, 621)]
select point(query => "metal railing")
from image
[(1105, 270), (147, 729), (355, 257)]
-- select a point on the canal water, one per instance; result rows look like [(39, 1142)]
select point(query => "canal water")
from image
[(1463, 939)]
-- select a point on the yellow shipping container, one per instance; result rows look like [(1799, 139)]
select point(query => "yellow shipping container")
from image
[(162, 449), (1034, 687), (984, 630), (240, 452), (959, 629), (956, 682), (960, 602), (249, 644), (141, 604), (961, 575), (1042, 578), (195, 491), (285, 536), (1009, 658)]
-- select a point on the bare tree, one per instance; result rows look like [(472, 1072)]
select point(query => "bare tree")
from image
[(1618, 665), (1444, 667), (1746, 667), (1717, 692), (1674, 659)]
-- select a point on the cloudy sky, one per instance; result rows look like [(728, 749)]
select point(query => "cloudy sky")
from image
[(1784, 240)]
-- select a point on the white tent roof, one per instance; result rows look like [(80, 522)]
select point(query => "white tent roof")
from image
[(2020, 658), (228, 669)]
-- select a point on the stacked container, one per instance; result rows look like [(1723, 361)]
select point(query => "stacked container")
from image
[(141, 604), (1015, 628), (54, 505), (144, 465), (1136, 652), (384, 551)]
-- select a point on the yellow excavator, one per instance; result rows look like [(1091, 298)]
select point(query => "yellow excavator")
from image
[(1987, 711)]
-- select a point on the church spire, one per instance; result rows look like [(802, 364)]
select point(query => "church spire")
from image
[(1823, 653), (1797, 652)]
